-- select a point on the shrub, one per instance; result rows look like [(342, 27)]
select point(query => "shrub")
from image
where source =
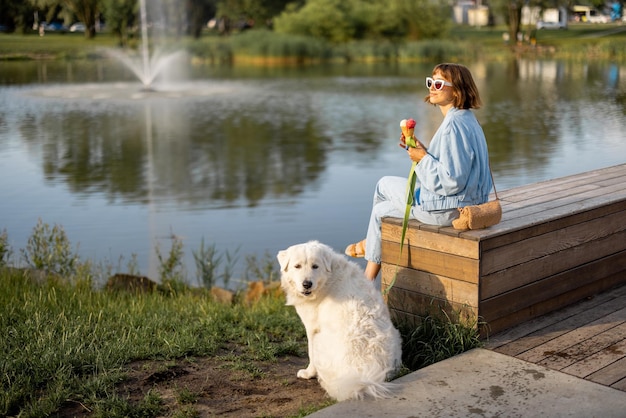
[(5, 249), (49, 249), (434, 338), (208, 260)]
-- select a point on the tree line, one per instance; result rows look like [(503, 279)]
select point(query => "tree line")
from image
[(333, 20)]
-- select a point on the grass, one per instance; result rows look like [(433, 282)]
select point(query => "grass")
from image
[(53, 46), (492, 36), (65, 341), (434, 338), (64, 338), (580, 41), (69, 341), (263, 47)]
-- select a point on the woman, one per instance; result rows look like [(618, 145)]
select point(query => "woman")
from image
[(452, 173)]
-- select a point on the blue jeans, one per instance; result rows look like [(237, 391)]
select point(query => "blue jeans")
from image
[(390, 201)]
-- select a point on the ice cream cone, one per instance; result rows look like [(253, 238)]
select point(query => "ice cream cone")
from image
[(408, 128)]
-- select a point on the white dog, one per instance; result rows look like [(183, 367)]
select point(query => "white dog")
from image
[(353, 346)]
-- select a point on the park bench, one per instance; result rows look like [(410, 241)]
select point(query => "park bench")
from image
[(559, 241)]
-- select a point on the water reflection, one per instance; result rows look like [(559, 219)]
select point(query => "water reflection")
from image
[(551, 111), (221, 151), (258, 162)]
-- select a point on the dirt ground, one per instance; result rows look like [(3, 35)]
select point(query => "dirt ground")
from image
[(207, 387), (219, 385)]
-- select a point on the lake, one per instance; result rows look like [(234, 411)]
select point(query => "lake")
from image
[(253, 160)]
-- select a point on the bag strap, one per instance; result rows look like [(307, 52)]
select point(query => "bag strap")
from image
[(494, 183)]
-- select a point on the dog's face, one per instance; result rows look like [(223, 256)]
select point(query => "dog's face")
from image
[(304, 269)]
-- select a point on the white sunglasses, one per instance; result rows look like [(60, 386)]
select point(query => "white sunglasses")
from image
[(437, 83)]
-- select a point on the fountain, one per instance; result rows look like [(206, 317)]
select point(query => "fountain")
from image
[(162, 73), (148, 67)]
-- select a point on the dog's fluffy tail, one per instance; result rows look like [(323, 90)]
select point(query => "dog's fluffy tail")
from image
[(359, 387)]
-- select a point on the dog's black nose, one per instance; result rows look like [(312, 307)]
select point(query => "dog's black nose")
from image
[(307, 284)]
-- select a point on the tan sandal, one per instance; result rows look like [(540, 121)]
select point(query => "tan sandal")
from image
[(356, 250)]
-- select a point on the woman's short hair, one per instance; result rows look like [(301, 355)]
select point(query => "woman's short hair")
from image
[(466, 94)]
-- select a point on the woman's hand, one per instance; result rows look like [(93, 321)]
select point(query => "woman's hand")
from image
[(415, 153), (402, 143)]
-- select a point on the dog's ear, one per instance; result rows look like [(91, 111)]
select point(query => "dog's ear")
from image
[(327, 260), (326, 255), (283, 259)]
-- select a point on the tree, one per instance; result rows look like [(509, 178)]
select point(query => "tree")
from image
[(120, 15), (327, 19), (16, 15), (423, 19), (511, 10), (46, 11), (343, 20), (86, 11), (598, 4), (254, 11), (198, 13)]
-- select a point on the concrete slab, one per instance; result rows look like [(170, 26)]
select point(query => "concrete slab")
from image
[(484, 383)]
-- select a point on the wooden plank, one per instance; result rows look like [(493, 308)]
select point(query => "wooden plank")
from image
[(540, 221), (553, 286), (598, 360), (610, 181), (556, 190), (499, 324), (591, 176), (403, 301), (430, 285), (548, 265), (546, 187), (541, 329), (554, 195), (434, 262), (566, 211), (602, 181), (418, 226), (573, 337), (620, 385), (611, 374), (431, 240), (400, 318), (551, 242), (567, 356), (560, 191)]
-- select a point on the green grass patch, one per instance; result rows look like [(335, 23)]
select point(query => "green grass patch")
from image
[(66, 340), (265, 47), (52, 46), (435, 337), (580, 41), (70, 341)]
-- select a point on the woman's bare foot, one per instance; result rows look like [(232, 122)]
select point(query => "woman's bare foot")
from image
[(356, 250)]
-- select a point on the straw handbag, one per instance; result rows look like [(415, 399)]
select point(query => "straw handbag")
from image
[(480, 216)]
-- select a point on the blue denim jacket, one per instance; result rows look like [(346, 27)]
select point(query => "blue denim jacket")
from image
[(455, 172)]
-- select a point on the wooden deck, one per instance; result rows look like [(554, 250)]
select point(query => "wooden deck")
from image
[(559, 241), (586, 340)]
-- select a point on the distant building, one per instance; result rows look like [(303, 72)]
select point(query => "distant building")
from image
[(535, 16), (530, 15), (473, 13), (588, 14)]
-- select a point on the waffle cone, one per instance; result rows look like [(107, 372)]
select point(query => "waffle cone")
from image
[(407, 132)]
